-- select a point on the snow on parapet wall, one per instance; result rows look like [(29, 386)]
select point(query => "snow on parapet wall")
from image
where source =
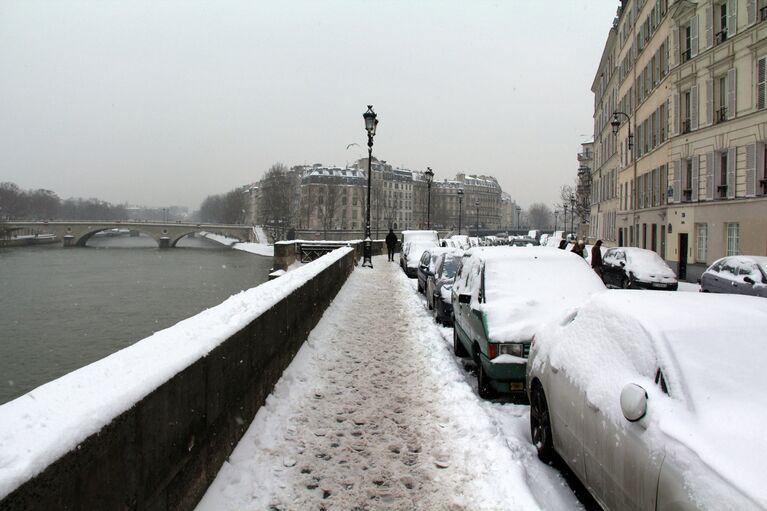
[(254, 248), (39, 427)]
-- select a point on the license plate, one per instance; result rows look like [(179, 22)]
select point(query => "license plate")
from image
[(661, 284), (517, 386)]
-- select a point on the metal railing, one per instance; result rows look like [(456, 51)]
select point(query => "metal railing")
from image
[(721, 115), (686, 54), (721, 36), (686, 126)]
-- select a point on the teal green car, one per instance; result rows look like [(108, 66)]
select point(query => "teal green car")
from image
[(502, 296)]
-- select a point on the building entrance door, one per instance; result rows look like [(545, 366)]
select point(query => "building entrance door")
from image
[(683, 256)]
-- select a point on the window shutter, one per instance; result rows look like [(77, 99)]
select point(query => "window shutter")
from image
[(732, 17), (694, 107), (693, 36), (731, 184), (677, 186), (750, 170), (694, 184), (760, 172), (674, 60), (665, 61), (760, 82), (731, 93), (751, 10), (709, 26), (675, 105), (710, 176), (709, 102)]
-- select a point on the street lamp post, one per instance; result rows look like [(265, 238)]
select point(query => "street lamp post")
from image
[(429, 174), (371, 122), (572, 211), (556, 214), (460, 208), (519, 215), (476, 203), (564, 220), (616, 124)]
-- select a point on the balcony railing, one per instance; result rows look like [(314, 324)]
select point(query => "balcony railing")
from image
[(586, 155), (763, 13), (763, 182), (722, 191), (686, 54), (686, 195), (721, 36), (686, 126), (721, 115)]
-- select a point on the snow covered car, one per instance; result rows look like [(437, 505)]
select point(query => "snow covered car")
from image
[(440, 284), (524, 242), (654, 402), (745, 275), (427, 265), (501, 296), (634, 268), (414, 242)]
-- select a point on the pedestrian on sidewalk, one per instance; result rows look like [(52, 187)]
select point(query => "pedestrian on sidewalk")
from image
[(391, 243), (578, 247), (596, 258)]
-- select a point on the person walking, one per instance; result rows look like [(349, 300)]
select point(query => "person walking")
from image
[(596, 258), (577, 248), (391, 243)]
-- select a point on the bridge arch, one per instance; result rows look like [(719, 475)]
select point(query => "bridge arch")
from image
[(82, 240)]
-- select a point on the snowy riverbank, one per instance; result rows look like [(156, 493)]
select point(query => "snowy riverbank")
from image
[(260, 248)]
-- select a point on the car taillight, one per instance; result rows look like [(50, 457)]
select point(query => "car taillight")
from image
[(492, 351)]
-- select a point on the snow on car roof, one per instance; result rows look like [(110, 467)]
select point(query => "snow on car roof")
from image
[(712, 350), (525, 288)]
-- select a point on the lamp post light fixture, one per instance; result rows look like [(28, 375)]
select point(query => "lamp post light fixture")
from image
[(460, 208), (476, 203), (616, 124), (371, 122), (429, 175)]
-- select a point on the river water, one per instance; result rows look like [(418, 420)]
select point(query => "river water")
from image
[(61, 309)]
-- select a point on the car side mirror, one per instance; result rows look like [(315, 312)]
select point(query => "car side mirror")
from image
[(749, 280), (633, 402), (623, 264), (463, 298)]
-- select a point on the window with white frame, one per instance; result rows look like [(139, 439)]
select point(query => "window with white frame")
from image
[(701, 242), (733, 239), (761, 83)]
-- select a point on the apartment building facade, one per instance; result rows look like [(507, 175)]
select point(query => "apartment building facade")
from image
[(691, 172)]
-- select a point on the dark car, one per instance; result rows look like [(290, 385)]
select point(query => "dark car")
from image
[(427, 265), (524, 242), (636, 268), (744, 275), (439, 286)]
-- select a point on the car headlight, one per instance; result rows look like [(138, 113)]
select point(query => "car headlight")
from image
[(516, 349)]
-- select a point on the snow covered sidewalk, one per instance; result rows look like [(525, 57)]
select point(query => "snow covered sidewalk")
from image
[(376, 413)]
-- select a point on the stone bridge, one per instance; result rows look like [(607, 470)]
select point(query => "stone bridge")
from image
[(166, 234)]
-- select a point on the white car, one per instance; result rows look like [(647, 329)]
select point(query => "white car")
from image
[(656, 401)]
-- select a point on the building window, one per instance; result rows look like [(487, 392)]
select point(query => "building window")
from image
[(686, 111), (761, 79), (701, 242), (687, 181), (686, 38), (721, 22), (733, 239), (722, 177), (720, 112)]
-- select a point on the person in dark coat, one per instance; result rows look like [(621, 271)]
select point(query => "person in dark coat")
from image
[(578, 247), (391, 243), (563, 244), (596, 258)]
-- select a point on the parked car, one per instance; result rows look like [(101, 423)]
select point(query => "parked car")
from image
[(413, 244), (440, 284), (745, 275), (462, 240), (501, 296), (523, 242), (427, 265), (636, 268), (656, 401)]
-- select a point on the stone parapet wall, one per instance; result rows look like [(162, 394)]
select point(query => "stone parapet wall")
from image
[(165, 450)]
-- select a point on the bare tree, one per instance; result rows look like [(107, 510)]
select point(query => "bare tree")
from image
[(539, 216), (278, 192), (329, 200)]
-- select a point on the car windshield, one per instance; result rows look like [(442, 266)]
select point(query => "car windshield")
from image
[(450, 266)]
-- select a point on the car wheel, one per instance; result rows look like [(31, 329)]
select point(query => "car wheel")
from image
[(540, 424), (458, 348)]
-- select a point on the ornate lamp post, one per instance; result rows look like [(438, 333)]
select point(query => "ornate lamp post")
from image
[(429, 174), (556, 214), (476, 203), (371, 122), (615, 123), (519, 215), (460, 208), (564, 220), (572, 211)]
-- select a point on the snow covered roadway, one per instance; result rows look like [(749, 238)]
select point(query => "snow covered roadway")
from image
[(375, 412)]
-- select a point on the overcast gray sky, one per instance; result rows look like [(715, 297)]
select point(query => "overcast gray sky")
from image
[(164, 102)]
